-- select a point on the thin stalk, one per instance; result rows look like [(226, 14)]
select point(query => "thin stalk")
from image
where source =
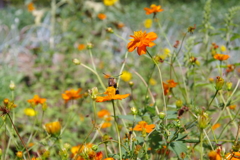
[(214, 96), (103, 86), (118, 133), (95, 111), (201, 145), (93, 64), (19, 136)]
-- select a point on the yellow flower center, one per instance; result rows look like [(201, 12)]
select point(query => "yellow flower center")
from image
[(111, 91), (138, 35)]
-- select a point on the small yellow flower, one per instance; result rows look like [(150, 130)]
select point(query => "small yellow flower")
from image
[(30, 112), (53, 128), (126, 76), (148, 23), (223, 48), (19, 154), (166, 51), (109, 2), (152, 82)]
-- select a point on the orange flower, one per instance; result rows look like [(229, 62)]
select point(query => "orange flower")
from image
[(221, 57), (167, 86), (81, 47), (143, 126), (230, 68), (232, 107), (103, 113), (141, 40), (215, 126), (153, 9), (36, 100), (233, 156), (71, 94), (30, 7), (102, 16), (86, 150), (214, 155), (109, 158), (111, 95)]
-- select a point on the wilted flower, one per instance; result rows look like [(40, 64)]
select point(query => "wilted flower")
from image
[(141, 40)]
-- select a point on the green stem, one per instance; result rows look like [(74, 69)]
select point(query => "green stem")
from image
[(118, 133), (201, 145), (93, 64), (212, 99)]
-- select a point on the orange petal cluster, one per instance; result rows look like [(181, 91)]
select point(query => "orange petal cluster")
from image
[(167, 86), (143, 126), (215, 155), (105, 114), (36, 100), (71, 94), (153, 9), (111, 95), (233, 156), (221, 57), (215, 126), (30, 7), (141, 40), (102, 16), (86, 150)]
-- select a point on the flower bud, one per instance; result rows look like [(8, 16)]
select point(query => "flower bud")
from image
[(179, 103), (93, 92), (19, 154), (229, 86), (203, 120), (95, 147), (105, 138), (12, 85), (162, 115), (219, 83), (131, 83), (89, 45), (67, 146), (44, 106), (5, 101), (134, 111), (110, 30), (76, 61), (53, 128)]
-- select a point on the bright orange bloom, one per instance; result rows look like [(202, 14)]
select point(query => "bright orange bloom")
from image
[(81, 47), (232, 107), (103, 113), (143, 126), (111, 95), (167, 86), (215, 126), (86, 150), (71, 94), (141, 40), (233, 156), (153, 9), (30, 7), (102, 16), (36, 100), (214, 155), (109, 158), (53, 128), (221, 57)]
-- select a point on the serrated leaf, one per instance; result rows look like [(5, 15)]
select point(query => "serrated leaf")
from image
[(178, 147), (130, 118)]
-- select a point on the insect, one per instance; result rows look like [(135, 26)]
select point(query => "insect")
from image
[(112, 82)]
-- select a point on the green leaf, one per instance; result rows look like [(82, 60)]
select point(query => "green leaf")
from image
[(172, 115), (130, 118), (235, 36), (190, 125), (178, 147), (151, 110), (181, 137)]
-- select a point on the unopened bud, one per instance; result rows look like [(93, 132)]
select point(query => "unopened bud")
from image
[(95, 147), (203, 120), (76, 61), (44, 106), (134, 111), (67, 146), (19, 154), (109, 29), (93, 92), (179, 103), (229, 86), (162, 115), (12, 85), (89, 45), (219, 83), (131, 83)]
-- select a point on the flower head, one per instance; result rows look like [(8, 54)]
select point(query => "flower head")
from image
[(30, 112), (71, 94), (153, 9), (86, 151), (111, 95), (215, 126), (148, 23), (221, 57), (141, 40), (36, 100), (30, 7), (167, 86), (81, 47), (53, 128), (105, 114), (143, 126), (102, 16), (126, 76), (214, 155), (109, 2)]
